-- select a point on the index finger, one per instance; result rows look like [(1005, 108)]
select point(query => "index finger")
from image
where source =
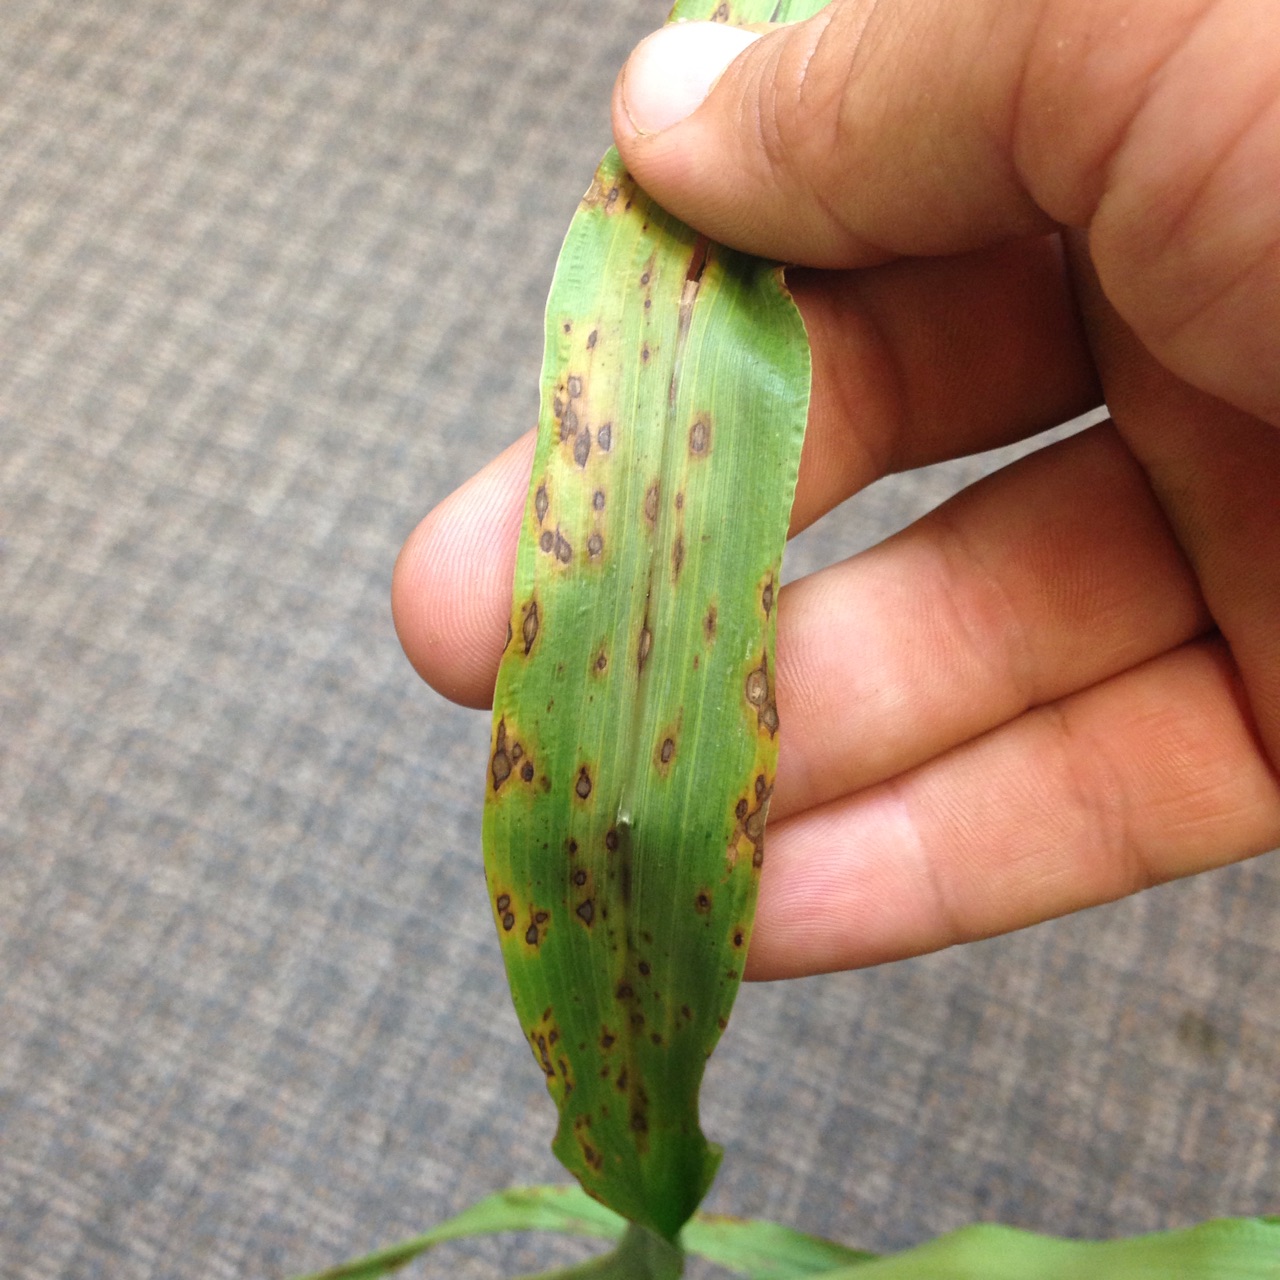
[(913, 362)]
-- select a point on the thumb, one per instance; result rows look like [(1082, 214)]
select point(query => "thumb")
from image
[(797, 145), (881, 128)]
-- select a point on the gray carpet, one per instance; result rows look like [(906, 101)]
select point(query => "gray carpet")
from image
[(271, 278)]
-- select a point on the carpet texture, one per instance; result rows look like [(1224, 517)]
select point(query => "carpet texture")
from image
[(271, 278)]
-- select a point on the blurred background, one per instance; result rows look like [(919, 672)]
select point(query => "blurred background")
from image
[(271, 282)]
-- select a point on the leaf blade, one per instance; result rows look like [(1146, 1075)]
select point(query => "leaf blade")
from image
[(1222, 1249), (638, 683), (635, 729)]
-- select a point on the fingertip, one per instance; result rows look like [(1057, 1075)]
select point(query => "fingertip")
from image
[(451, 587), (710, 121), (671, 72)]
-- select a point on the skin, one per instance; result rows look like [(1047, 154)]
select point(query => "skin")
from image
[(1062, 686)]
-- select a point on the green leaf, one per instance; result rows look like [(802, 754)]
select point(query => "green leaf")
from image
[(635, 729), (765, 1250), (1225, 1249), (563, 1209), (759, 1250)]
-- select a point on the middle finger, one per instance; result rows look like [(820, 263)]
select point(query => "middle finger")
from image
[(1040, 580)]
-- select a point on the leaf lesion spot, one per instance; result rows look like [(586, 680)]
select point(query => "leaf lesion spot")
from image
[(700, 436), (610, 196), (507, 756), (665, 746), (748, 831), (651, 504), (759, 693), (536, 931), (643, 646), (502, 909), (529, 626)]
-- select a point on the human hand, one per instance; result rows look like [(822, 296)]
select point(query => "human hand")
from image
[(1063, 685)]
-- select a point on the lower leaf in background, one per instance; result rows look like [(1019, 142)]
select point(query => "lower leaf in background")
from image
[(1227, 1249)]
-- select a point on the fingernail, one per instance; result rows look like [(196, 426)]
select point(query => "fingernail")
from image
[(673, 70)]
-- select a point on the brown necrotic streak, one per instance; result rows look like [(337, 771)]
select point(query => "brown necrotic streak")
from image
[(529, 628)]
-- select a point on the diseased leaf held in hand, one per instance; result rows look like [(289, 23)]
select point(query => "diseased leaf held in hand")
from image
[(635, 729)]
